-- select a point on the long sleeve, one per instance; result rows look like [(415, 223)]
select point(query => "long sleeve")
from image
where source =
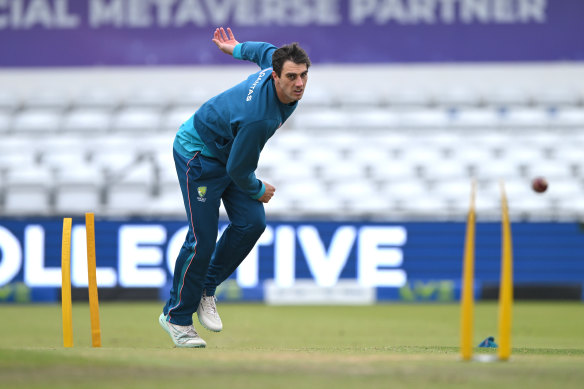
[(259, 53), (244, 156)]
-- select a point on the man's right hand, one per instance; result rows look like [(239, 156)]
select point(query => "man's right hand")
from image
[(225, 43), (268, 194)]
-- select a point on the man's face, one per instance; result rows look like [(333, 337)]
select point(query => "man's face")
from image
[(290, 86)]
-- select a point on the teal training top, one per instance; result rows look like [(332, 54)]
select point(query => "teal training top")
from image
[(234, 126)]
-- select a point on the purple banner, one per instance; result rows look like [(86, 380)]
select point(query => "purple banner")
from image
[(178, 32)]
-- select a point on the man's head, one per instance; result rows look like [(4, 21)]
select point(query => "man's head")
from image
[(290, 64)]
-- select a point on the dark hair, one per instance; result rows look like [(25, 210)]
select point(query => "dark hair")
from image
[(292, 52)]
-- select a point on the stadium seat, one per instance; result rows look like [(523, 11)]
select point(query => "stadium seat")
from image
[(114, 161), (28, 191), (373, 119), (146, 97), (78, 189), (471, 154), (322, 119), (369, 154), (87, 120), (316, 155), (30, 175), (77, 198), (357, 190), (280, 207), (496, 170), (453, 190), (424, 205), (361, 97), (473, 118), (191, 97), (292, 172), (16, 159), (5, 121), (131, 192), (458, 96), (568, 117), (393, 140), (317, 96), (26, 199), (505, 97), (96, 97), (487, 139), (529, 204), (143, 173), (425, 119), (393, 171), (320, 206), (444, 170), (271, 156), (310, 196), (373, 205), (290, 140), (526, 118), (137, 120), (41, 121), (557, 97), (346, 142), (404, 190), (173, 118), (63, 160), (486, 204), (442, 139), (412, 149), (47, 98), (565, 190), (549, 169), (127, 199), (168, 202), (522, 154), (165, 168), (8, 100), (568, 152), (572, 208), (515, 190), (342, 171), (408, 98), (421, 154), (542, 139)]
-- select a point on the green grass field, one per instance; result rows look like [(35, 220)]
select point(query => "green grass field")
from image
[(381, 346)]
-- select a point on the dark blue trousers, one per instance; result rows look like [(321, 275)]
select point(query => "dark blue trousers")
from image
[(203, 262)]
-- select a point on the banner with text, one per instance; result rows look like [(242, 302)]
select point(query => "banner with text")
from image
[(402, 261), (178, 32)]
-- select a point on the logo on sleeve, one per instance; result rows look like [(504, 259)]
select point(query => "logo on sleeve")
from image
[(202, 191)]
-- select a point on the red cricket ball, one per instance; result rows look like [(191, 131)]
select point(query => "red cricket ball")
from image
[(539, 184)]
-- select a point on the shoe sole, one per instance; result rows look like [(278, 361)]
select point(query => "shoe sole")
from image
[(162, 322), (205, 326)]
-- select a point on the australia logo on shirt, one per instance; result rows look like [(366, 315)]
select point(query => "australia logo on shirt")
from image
[(202, 191)]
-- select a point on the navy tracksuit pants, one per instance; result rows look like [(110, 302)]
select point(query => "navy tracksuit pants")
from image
[(203, 263)]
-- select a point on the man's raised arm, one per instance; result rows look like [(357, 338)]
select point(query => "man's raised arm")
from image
[(225, 41)]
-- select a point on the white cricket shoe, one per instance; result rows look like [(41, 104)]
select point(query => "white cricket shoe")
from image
[(208, 315), (182, 336)]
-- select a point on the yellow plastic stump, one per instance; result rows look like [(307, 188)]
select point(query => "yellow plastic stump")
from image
[(66, 307), (92, 278), (506, 283), (467, 293)]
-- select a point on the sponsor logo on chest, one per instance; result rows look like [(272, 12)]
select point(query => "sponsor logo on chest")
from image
[(252, 87)]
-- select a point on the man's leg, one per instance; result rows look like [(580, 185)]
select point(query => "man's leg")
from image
[(202, 182), (247, 223)]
